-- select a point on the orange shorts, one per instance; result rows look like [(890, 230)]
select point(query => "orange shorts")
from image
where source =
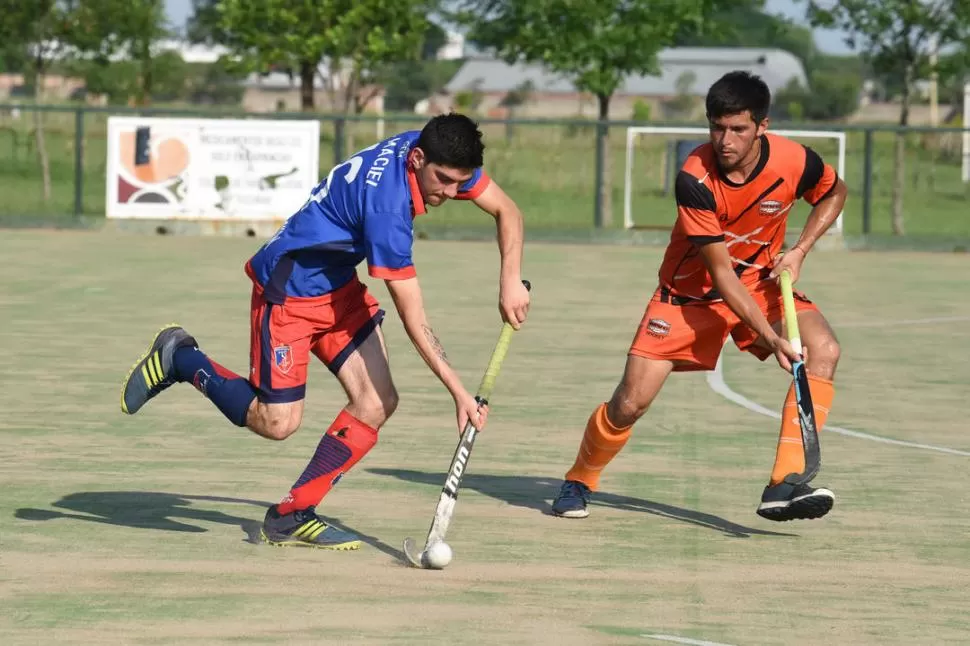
[(283, 336), (694, 333)]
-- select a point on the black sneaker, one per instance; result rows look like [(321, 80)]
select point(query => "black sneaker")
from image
[(303, 527), (154, 372), (572, 500), (783, 502)]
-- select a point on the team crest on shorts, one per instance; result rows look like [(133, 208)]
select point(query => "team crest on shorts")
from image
[(283, 358), (658, 327), (770, 207)]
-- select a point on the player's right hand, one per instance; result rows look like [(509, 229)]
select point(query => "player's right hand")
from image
[(468, 409), (784, 353)]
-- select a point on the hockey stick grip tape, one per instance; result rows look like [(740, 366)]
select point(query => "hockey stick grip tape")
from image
[(498, 356), (791, 316)]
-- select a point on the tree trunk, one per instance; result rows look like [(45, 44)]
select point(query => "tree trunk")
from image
[(45, 166), (899, 163), (145, 81), (307, 74), (604, 186)]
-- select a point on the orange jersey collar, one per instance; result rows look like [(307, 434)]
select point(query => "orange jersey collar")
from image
[(417, 202)]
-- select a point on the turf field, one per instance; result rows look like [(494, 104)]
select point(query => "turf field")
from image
[(118, 529)]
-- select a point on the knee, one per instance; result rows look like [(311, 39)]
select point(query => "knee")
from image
[(625, 407), (275, 423), (376, 408), (824, 356)]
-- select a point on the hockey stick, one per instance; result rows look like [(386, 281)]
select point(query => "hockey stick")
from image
[(803, 395), (459, 462)]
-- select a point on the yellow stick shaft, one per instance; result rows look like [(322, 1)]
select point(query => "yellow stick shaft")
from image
[(791, 316)]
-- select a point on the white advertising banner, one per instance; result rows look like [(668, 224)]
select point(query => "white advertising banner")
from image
[(210, 169)]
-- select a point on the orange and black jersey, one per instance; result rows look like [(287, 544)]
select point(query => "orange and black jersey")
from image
[(749, 218)]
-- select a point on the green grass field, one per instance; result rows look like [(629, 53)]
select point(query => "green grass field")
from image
[(548, 169), (140, 530)]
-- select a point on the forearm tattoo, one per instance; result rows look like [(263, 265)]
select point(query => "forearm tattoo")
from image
[(435, 343)]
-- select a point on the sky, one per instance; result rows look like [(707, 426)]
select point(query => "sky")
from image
[(830, 42)]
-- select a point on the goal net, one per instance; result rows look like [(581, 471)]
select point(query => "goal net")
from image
[(652, 164)]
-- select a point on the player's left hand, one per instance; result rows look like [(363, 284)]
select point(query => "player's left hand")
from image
[(791, 260), (513, 302)]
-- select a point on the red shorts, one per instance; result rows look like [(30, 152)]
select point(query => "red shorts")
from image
[(694, 333), (283, 336)]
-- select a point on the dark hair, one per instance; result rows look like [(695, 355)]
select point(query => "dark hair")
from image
[(736, 92), (452, 140)]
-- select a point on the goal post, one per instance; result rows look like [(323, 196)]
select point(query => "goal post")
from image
[(702, 133)]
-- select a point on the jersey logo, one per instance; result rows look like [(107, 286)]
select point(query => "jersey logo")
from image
[(770, 207), (658, 327), (283, 358)]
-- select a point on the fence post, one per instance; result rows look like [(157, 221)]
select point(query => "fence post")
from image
[(599, 218), (338, 140), (867, 184), (78, 162)]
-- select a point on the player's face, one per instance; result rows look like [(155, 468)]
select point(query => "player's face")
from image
[(733, 137), (437, 183)]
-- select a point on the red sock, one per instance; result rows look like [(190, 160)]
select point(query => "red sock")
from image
[(343, 445)]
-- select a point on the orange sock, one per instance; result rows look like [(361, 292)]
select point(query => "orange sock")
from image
[(601, 442), (790, 457)]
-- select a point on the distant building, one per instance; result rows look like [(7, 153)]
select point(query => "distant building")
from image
[(677, 92), (453, 49)]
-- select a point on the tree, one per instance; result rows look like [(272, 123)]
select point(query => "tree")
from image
[(203, 26), (594, 44), (833, 95), (747, 25), (409, 82), (129, 29), (36, 31), (898, 37), (299, 35)]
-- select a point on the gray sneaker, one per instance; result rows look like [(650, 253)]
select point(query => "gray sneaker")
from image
[(154, 372), (795, 502), (304, 527)]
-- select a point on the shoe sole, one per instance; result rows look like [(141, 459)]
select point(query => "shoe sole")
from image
[(124, 385), (574, 513), (808, 507), (336, 547)]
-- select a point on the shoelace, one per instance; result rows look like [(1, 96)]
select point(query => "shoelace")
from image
[(574, 490)]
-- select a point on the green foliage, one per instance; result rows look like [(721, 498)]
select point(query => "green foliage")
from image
[(173, 80), (299, 34), (897, 36), (129, 28), (833, 95), (435, 37), (745, 24), (595, 44), (33, 32), (468, 100), (518, 95), (642, 111), (407, 83)]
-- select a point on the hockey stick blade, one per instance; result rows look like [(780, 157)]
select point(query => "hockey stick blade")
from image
[(412, 553), (808, 427)]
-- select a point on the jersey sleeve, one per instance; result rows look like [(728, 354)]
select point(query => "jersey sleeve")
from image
[(388, 239), (697, 210), (817, 180), (471, 189)]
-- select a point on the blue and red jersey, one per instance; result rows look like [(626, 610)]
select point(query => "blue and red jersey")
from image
[(364, 209)]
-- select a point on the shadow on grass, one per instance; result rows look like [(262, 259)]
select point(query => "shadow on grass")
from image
[(169, 512), (536, 493)]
